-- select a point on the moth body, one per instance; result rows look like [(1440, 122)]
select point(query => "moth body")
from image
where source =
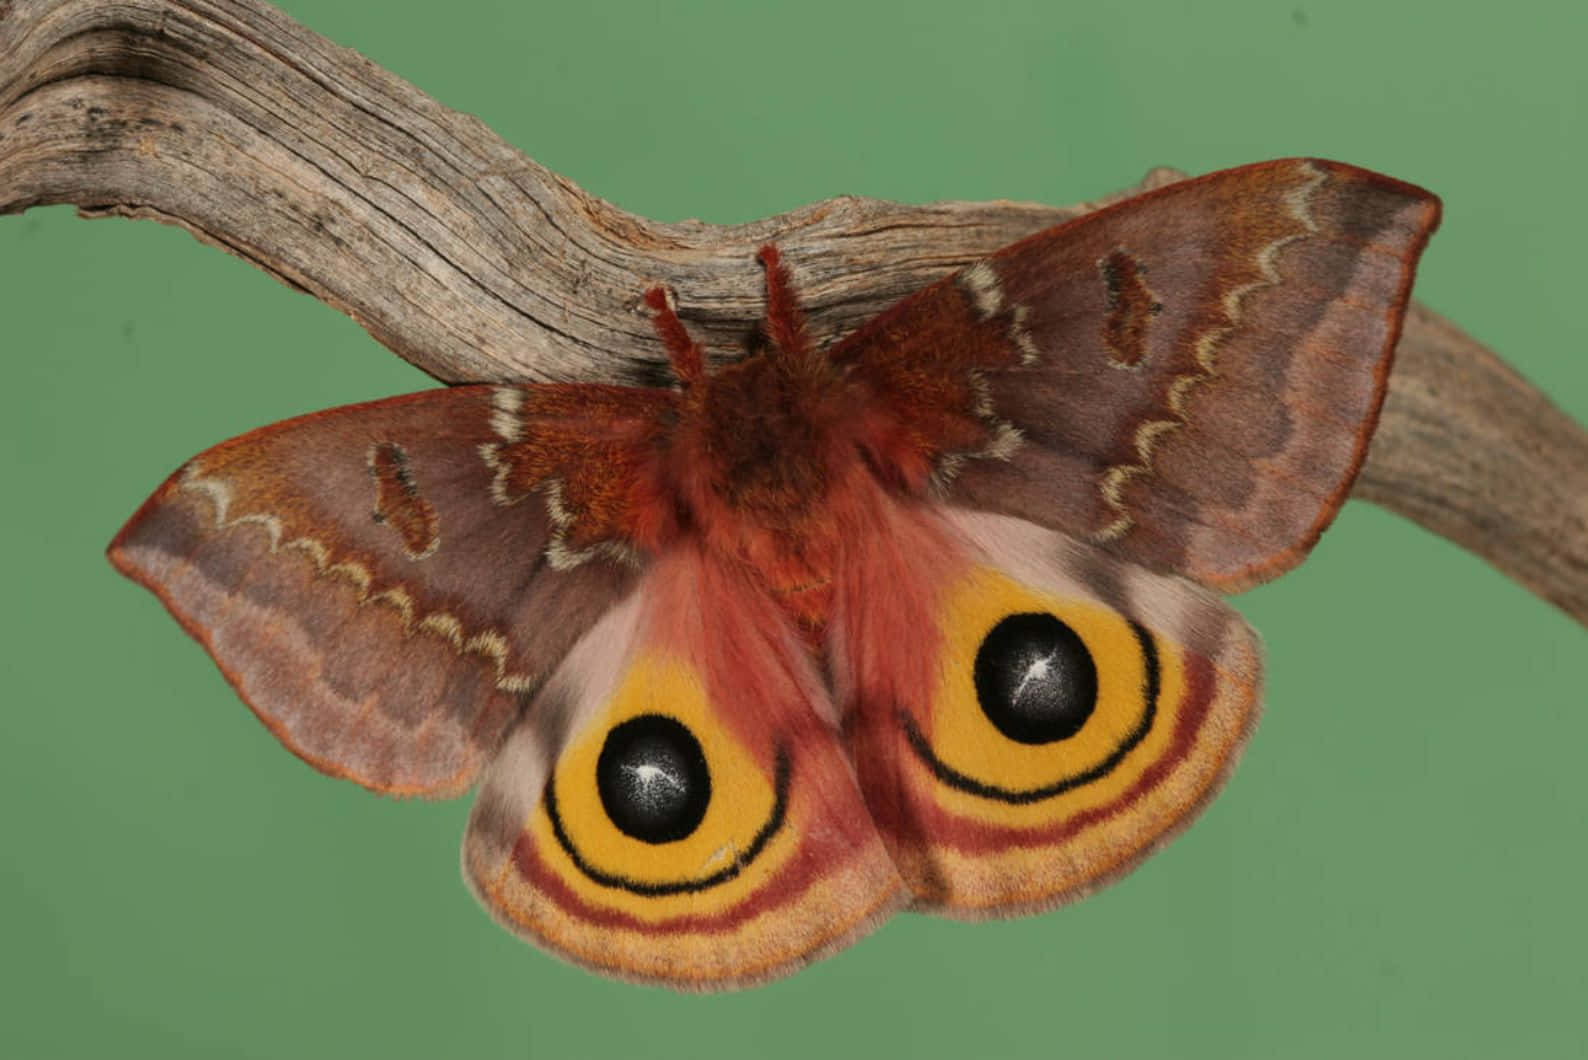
[(766, 460)]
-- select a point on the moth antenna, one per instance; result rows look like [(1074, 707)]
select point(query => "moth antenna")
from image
[(687, 356), (785, 323)]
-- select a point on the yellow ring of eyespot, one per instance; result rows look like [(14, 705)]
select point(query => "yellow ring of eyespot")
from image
[(742, 801), (963, 738)]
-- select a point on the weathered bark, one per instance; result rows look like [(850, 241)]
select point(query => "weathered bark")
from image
[(1470, 450), (468, 259)]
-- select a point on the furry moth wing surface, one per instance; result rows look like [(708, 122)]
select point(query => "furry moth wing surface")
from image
[(382, 583), (1190, 378), (925, 620)]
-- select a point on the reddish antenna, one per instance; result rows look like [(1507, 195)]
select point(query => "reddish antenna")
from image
[(687, 356), (785, 323)]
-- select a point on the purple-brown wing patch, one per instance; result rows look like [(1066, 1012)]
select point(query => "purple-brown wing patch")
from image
[(1256, 311), (378, 648)]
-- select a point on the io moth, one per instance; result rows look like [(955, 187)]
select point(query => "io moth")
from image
[(926, 619)]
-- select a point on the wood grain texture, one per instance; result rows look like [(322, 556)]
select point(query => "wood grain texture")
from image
[(468, 259)]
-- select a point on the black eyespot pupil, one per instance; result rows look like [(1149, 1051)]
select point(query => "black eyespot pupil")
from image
[(652, 778), (1035, 680)]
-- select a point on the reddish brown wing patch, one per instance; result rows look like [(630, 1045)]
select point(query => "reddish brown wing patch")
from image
[(399, 504), (390, 645), (921, 362), (1258, 356), (592, 454), (1131, 307)]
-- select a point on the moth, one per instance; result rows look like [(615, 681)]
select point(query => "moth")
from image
[(924, 620)]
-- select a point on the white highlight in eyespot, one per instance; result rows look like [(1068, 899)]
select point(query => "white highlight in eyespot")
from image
[(650, 776), (1038, 670)]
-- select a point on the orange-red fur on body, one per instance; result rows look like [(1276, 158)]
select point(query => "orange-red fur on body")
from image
[(765, 463)]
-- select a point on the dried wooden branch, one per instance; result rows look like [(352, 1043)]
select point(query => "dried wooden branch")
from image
[(473, 262)]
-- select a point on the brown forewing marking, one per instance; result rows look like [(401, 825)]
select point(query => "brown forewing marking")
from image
[(399, 504), (981, 285), (1205, 349), (1020, 335), (508, 460), (986, 292), (1131, 307), (443, 624), (558, 552), (506, 408)]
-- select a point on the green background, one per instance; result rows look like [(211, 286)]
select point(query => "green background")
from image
[(1397, 867)]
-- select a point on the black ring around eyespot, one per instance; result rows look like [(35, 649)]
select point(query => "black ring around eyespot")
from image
[(780, 786), (955, 779)]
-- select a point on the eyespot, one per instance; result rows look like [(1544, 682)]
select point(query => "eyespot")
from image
[(1040, 696), (653, 779), (1067, 722), (658, 797), (1034, 679)]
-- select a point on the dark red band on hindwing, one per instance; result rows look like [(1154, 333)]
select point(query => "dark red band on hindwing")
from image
[(972, 836), (826, 851)]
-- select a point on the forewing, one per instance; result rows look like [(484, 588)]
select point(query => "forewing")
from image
[(383, 583), (1029, 716), (675, 805), (1190, 377)]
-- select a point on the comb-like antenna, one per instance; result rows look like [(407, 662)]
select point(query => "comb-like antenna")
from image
[(785, 323), (687, 356)]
